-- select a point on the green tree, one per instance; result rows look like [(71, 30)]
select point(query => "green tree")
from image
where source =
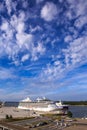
[(10, 117), (69, 114), (7, 116)]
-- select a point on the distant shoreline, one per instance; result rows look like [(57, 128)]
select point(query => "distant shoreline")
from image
[(77, 105), (70, 103)]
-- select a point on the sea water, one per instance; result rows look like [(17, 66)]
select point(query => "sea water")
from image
[(78, 111)]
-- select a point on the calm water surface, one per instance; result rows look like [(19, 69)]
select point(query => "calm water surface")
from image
[(78, 111)]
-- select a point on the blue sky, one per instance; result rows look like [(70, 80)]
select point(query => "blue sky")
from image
[(43, 49)]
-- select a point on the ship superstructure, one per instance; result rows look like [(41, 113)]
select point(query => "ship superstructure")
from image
[(60, 105)]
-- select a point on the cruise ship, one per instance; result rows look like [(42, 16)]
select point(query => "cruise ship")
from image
[(42, 104)]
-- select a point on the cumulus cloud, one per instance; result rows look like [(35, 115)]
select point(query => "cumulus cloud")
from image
[(7, 37), (49, 11), (18, 20), (78, 50), (24, 39), (20, 27), (22, 16), (16, 39), (39, 49), (81, 21), (73, 56), (76, 8), (7, 31), (68, 38), (25, 57), (8, 5), (4, 26)]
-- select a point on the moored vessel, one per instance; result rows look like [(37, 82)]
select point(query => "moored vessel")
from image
[(41, 104)]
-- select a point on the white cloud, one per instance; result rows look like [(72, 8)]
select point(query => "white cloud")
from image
[(37, 28), (69, 14), (81, 21), (68, 38), (56, 40), (22, 16), (24, 39), (21, 42), (56, 63), (4, 26), (14, 4), (39, 49), (18, 20), (8, 5), (14, 20), (24, 4), (78, 50), (53, 72), (73, 56), (76, 8), (39, 1), (20, 27), (49, 11), (11, 5), (7, 30), (13, 46), (74, 32), (25, 57), (6, 74)]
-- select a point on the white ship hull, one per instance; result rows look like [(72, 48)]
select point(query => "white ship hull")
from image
[(47, 109)]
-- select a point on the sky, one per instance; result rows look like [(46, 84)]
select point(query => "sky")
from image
[(43, 49)]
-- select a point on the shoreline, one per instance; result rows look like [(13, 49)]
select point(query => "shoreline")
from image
[(77, 105)]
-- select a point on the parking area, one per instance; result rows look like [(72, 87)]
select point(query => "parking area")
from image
[(41, 123), (45, 122)]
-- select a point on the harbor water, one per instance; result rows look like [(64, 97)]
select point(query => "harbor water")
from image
[(78, 111)]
